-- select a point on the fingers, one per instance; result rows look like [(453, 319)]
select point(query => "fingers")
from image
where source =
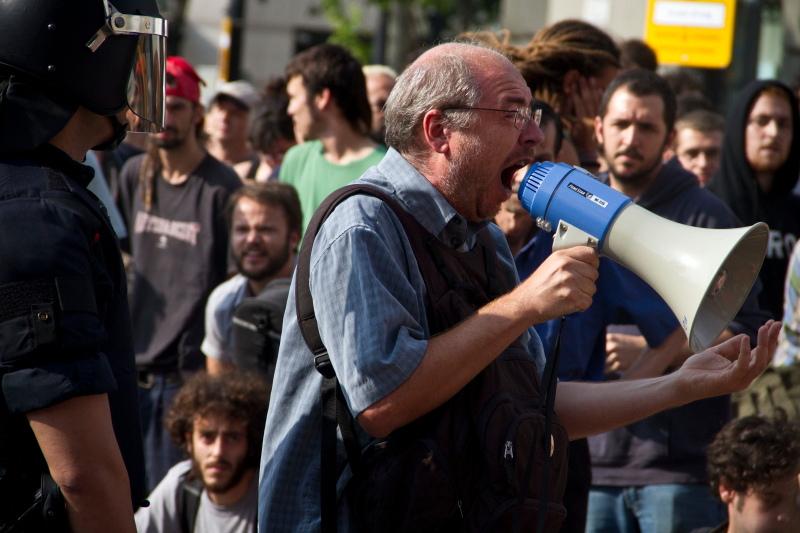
[(583, 254), (587, 98), (731, 348), (753, 362), (743, 359), (564, 283), (767, 343)]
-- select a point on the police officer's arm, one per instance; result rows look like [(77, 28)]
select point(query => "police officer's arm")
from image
[(590, 408), (563, 284), (78, 443)]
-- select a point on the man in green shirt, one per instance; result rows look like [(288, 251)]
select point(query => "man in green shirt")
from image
[(330, 111)]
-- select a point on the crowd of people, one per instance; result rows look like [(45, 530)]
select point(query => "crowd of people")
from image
[(340, 317)]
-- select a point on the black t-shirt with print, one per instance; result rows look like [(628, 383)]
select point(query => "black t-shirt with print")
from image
[(180, 251)]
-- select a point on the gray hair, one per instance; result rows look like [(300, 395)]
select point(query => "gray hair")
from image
[(379, 70), (446, 82)]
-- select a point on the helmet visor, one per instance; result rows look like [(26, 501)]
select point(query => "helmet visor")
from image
[(146, 84)]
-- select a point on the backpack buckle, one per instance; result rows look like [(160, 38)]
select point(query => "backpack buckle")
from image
[(322, 363)]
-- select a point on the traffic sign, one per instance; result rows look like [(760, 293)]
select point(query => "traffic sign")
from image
[(691, 33)]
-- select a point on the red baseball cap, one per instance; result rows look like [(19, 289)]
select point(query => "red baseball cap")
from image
[(182, 79)]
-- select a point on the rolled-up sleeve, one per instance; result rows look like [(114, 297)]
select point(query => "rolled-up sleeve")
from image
[(371, 308)]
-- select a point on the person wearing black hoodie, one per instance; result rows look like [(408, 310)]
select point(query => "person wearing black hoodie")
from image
[(759, 169), (651, 475)]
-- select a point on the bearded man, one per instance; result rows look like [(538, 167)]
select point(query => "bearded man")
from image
[(265, 229), (217, 420)]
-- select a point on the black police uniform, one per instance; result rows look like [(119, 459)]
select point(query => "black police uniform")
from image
[(64, 322)]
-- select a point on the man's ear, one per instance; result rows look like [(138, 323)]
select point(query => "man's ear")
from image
[(323, 99), (436, 135), (294, 239), (726, 495), (670, 142), (598, 129), (199, 113)]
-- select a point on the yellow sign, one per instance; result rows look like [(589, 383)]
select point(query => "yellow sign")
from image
[(691, 33)]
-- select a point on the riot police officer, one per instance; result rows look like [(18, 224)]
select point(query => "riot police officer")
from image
[(70, 445)]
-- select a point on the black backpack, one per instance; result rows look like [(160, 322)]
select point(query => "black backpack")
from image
[(492, 458), (257, 326)]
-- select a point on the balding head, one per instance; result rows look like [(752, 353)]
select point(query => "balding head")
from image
[(448, 75)]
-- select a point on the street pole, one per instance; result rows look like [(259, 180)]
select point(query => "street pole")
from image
[(230, 44)]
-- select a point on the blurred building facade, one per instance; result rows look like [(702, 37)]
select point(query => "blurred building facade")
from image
[(272, 31)]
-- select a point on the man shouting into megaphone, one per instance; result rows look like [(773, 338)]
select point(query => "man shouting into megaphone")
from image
[(411, 320)]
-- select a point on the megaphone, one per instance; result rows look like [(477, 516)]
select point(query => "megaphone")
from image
[(704, 275)]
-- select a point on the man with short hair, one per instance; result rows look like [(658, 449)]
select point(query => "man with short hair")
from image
[(227, 124), (330, 111), (638, 480), (265, 229), (173, 200), (218, 422), (754, 469), (460, 125), (380, 80), (698, 143)]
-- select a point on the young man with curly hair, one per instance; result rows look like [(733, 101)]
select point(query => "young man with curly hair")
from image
[(754, 468), (218, 421)]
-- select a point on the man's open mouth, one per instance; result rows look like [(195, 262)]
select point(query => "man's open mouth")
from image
[(507, 175)]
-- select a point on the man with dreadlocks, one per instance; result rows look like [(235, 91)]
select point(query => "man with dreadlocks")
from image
[(173, 198), (568, 65)]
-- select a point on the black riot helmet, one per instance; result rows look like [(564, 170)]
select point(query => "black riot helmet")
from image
[(104, 55)]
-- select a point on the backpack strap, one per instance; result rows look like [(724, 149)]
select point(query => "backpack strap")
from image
[(189, 493), (334, 408)]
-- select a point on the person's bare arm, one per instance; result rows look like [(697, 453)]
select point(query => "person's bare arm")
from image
[(591, 408), (79, 445), (666, 356), (215, 366), (562, 285)]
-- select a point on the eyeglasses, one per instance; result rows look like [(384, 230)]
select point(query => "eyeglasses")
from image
[(522, 115)]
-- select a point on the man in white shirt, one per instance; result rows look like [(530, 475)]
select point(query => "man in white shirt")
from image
[(265, 230)]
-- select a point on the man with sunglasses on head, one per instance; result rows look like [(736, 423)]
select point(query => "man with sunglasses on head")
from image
[(72, 77)]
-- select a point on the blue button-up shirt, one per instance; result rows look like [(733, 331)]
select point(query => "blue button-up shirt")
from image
[(369, 300)]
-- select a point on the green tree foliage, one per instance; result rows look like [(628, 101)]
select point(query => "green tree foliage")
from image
[(442, 18), (345, 21)]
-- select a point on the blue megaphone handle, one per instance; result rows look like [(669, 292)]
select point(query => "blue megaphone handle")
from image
[(555, 192)]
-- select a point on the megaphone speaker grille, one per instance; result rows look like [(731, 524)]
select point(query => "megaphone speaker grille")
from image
[(537, 175)]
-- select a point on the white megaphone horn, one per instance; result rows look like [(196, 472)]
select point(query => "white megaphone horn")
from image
[(704, 275)]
